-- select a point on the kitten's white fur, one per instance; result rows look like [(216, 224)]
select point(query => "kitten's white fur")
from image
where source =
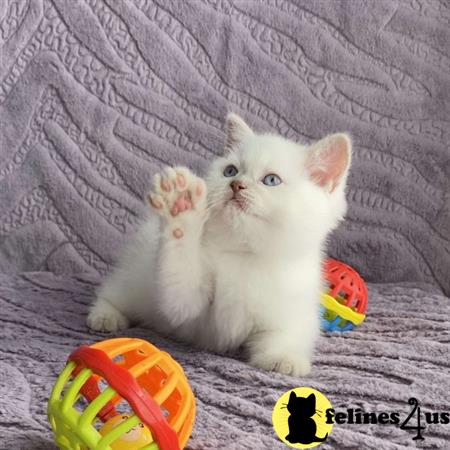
[(220, 273)]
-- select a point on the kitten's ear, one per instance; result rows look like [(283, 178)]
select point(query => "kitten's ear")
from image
[(236, 130), (312, 398), (329, 159), (293, 396)]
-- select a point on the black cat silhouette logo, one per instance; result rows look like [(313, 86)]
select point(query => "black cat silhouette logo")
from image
[(299, 418), (302, 427)]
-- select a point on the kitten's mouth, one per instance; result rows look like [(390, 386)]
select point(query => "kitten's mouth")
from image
[(239, 202), (241, 205)]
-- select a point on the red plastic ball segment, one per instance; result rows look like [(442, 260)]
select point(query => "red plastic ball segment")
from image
[(346, 285)]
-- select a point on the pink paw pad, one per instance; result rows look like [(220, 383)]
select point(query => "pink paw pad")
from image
[(182, 203), (199, 190), (181, 181), (154, 202), (178, 233), (165, 186)]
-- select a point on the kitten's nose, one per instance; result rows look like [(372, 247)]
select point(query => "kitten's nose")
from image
[(237, 185)]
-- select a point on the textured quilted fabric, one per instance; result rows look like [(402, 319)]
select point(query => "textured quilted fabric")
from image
[(402, 351), (97, 95)]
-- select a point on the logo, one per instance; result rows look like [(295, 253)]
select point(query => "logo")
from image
[(415, 422), (304, 417), (299, 418)]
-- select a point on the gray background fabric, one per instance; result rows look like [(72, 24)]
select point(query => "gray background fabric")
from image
[(98, 95), (95, 96)]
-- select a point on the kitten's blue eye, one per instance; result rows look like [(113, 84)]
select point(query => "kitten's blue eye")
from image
[(271, 180), (230, 171)]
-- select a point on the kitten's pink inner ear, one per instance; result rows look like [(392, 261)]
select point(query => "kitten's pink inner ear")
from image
[(329, 160), (237, 129)]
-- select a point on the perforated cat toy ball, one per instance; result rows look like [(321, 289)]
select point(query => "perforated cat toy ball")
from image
[(121, 394), (345, 303)]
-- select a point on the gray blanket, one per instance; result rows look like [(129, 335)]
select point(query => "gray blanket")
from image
[(401, 351), (97, 95)]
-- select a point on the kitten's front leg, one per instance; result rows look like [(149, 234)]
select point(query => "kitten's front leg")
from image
[(180, 199), (287, 350)]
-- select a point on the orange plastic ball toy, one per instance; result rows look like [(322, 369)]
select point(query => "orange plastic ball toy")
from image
[(121, 394)]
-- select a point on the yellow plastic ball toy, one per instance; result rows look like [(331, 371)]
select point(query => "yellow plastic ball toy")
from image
[(136, 438)]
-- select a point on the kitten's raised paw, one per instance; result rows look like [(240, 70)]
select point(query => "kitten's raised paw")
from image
[(104, 317), (178, 192), (297, 367)]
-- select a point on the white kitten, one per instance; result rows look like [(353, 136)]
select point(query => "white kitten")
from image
[(236, 260)]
